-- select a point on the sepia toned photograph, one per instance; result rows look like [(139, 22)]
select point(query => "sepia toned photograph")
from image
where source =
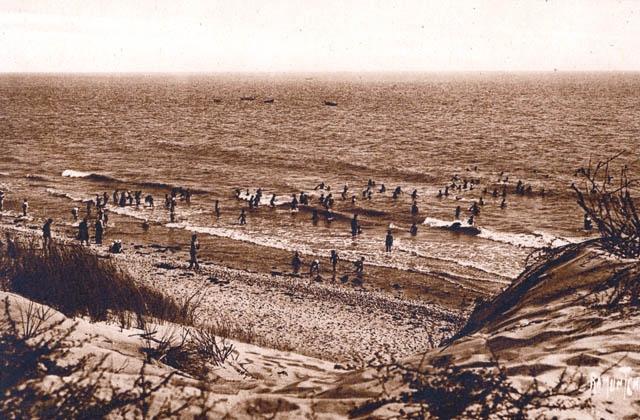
[(319, 209)]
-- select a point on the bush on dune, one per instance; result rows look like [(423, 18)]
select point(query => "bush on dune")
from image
[(77, 282), (33, 350), (606, 196)]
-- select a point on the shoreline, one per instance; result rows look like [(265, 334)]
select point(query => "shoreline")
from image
[(324, 319)]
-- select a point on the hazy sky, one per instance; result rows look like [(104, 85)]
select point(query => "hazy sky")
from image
[(324, 35)]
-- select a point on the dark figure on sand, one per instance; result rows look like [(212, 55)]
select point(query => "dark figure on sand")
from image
[(99, 231), (243, 217), (359, 265), (388, 241), (355, 226), (46, 233), (314, 268), (193, 252), (333, 258), (296, 263), (83, 232)]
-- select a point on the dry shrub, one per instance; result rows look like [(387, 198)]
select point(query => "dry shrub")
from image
[(447, 391), (190, 350), (77, 282), (609, 203), (28, 356)]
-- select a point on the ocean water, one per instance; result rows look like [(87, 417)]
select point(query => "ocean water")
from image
[(69, 137)]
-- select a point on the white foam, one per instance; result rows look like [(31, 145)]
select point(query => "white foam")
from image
[(534, 240), (58, 193), (69, 173)]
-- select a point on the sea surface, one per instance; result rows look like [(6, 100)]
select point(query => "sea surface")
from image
[(65, 138)]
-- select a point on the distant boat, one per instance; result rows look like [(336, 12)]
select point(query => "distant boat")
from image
[(330, 103), (217, 101), (269, 101), (247, 98)]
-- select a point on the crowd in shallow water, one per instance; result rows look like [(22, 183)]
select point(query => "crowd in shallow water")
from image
[(324, 203)]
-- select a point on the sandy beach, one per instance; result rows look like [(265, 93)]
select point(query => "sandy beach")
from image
[(324, 318)]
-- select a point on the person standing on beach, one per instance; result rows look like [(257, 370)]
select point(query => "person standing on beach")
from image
[(25, 207), (333, 258), (388, 241), (296, 262), (99, 231), (83, 232), (359, 264), (314, 268), (74, 213), (46, 234), (216, 208), (355, 226), (193, 252), (1, 200), (243, 217), (413, 230)]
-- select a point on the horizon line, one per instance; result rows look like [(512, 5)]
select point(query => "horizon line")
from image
[(293, 72)]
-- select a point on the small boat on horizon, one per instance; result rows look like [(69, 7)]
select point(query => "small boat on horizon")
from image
[(247, 98), (330, 103), (269, 101)]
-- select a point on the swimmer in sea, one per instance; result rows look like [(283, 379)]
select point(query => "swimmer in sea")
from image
[(243, 217), (216, 209), (25, 207), (458, 211), (272, 202), (413, 230), (588, 225), (314, 216), (414, 209), (74, 213)]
